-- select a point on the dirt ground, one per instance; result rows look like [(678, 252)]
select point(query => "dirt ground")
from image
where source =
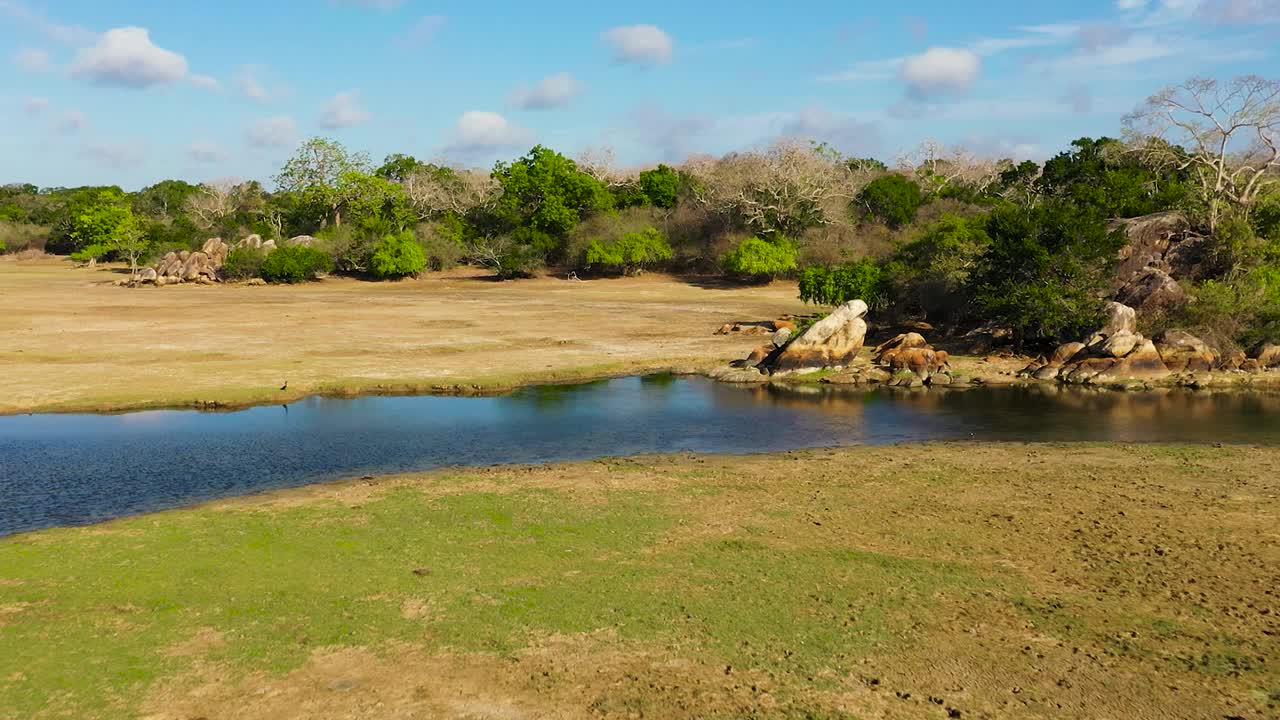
[(71, 341)]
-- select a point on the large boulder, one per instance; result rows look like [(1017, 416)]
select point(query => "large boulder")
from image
[(1268, 356), (1182, 351), (1120, 318), (885, 351), (1148, 240), (1119, 344), (253, 241), (1152, 289), (832, 342), (1142, 363), (300, 240)]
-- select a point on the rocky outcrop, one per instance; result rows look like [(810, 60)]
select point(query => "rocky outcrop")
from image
[(912, 353), (832, 342), (1117, 353), (300, 241), (1120, 318), (1152, 289), (1268, 356), (199, 266), (1184, 352)]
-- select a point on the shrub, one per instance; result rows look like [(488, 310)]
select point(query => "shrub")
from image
[(660, 186), (892, 199), (348, 246), (19, 236), (441, 244), (932, 273), (91, 253), (756, 258), (243, 263), (295, 264), (630, 253), (397, 256), (862, 280)]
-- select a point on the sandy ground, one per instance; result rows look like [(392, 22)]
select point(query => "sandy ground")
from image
[(71, 341)]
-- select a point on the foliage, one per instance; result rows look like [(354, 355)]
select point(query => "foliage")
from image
[(1046, 270), (19, 236), (630, 253), (397, 256), (1103, 174), (91, 253), (892, 199), (862, 280), (243, 263), (760, 259), (295, 264), (100, 222), (398, 167), (660, 186), (546, 193), (932, 273)]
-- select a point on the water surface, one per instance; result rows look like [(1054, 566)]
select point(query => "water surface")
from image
[(74, 469)]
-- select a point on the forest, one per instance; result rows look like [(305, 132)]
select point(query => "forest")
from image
[(938, 234)]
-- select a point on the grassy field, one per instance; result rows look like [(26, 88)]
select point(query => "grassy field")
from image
[(930, 581), (74, 342)]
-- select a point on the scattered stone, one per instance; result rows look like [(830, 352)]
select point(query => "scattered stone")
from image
[(147, 275)]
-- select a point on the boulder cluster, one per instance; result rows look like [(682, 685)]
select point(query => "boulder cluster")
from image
[(205, 265), (1118, 353), (912, 361)]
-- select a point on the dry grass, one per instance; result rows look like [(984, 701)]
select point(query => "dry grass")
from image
[(74, 342)]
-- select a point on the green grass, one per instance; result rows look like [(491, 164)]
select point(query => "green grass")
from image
[(496, 571)]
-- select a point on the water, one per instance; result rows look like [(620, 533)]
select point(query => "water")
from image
[(74, 469)]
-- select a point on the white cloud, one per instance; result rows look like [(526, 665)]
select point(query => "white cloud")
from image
[(71, 121), (35, 105), (639, 44), (1033, 36), (248, 85), (115, 156), (33, 60), (126, 56), (205, 151), (69, 34), (675, 137), (1136, 49), (344, 111), (424, 30), (553, 91), (479, 130), (940, 70), (866, 71), (205, 82), (276, 131)]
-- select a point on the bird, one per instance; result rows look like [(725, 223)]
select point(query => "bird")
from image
[(285, 386)]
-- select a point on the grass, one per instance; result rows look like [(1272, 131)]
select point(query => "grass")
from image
[(812, 584)]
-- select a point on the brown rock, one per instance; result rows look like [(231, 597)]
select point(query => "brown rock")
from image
[(885, 351), (1065, 353), (1119, 344), (1152, 289), (302, 240), (833, 341), (1119, 317), (784, 325), (1143, 363), (1182, 351), (1268, 356), (1232, 361)]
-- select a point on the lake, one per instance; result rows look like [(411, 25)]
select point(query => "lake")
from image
[(75, 469)]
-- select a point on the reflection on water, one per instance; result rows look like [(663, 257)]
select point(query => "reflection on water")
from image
[(69, 469)]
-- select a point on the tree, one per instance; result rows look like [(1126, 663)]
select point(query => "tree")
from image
[(892, 199), (397, 167), (326, 173), (397, 256), (1226, 134), (760, 259), (433, 191), (631, 253), (546, 192), (130, 244), (164, 199), (861, 280), (660, 186), (295, 264), (933, 272), (98, 225)]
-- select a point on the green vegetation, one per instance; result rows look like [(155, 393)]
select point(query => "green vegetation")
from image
[(630, 253), (397, 256), (295, 264), (759, 259), (243, 264), (862, 280), (892, 199)]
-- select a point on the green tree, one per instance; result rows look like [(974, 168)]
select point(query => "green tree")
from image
[(326, 174), (660, 186), (933, 272), (99, 223), (295, 264), (631, 253), (892, 199), (862, 280), (398, 167), (760, 259), (165, 199), (397, 256), (545, 192)]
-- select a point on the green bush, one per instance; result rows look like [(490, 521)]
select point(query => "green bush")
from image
[(892, 199), (243, 264), (932, 273), (862, 280), (397, 256), (19, 236), (660, 186), (295, 264), (630, 253), (442, 245), (91, 253), (758, 259)]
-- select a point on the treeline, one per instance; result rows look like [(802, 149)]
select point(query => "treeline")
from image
[(943, 235)]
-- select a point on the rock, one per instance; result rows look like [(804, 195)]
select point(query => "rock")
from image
[(1120, 344), (724, 329), (147, 275), (783, 324), (1143, 363), (1232, 361), (256, 281), (162, 281), (1148, 240), (739, 375), (940, 379), (984, 339), (253, 241), (884, 352), (211, 245), (267, 246), (756, 357), (1064, 353), (300, 240), (833, 341), (1048, 372), (196, 264), (781, 337), (1182, 351), (1268, 356), (1150, 290), (1119, 317), (1251, 365), (1085, 370), (184, 255)]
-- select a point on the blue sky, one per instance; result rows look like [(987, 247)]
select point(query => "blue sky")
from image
[(134, 91)]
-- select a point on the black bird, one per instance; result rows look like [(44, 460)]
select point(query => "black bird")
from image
[(285, 386)]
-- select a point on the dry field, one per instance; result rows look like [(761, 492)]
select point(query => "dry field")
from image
[(71, 341)]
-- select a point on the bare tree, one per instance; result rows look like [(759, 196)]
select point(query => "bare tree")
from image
[(602, 164), (786, 188), (1227, 135), (213, 201), (457, 190), (940, 166)]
